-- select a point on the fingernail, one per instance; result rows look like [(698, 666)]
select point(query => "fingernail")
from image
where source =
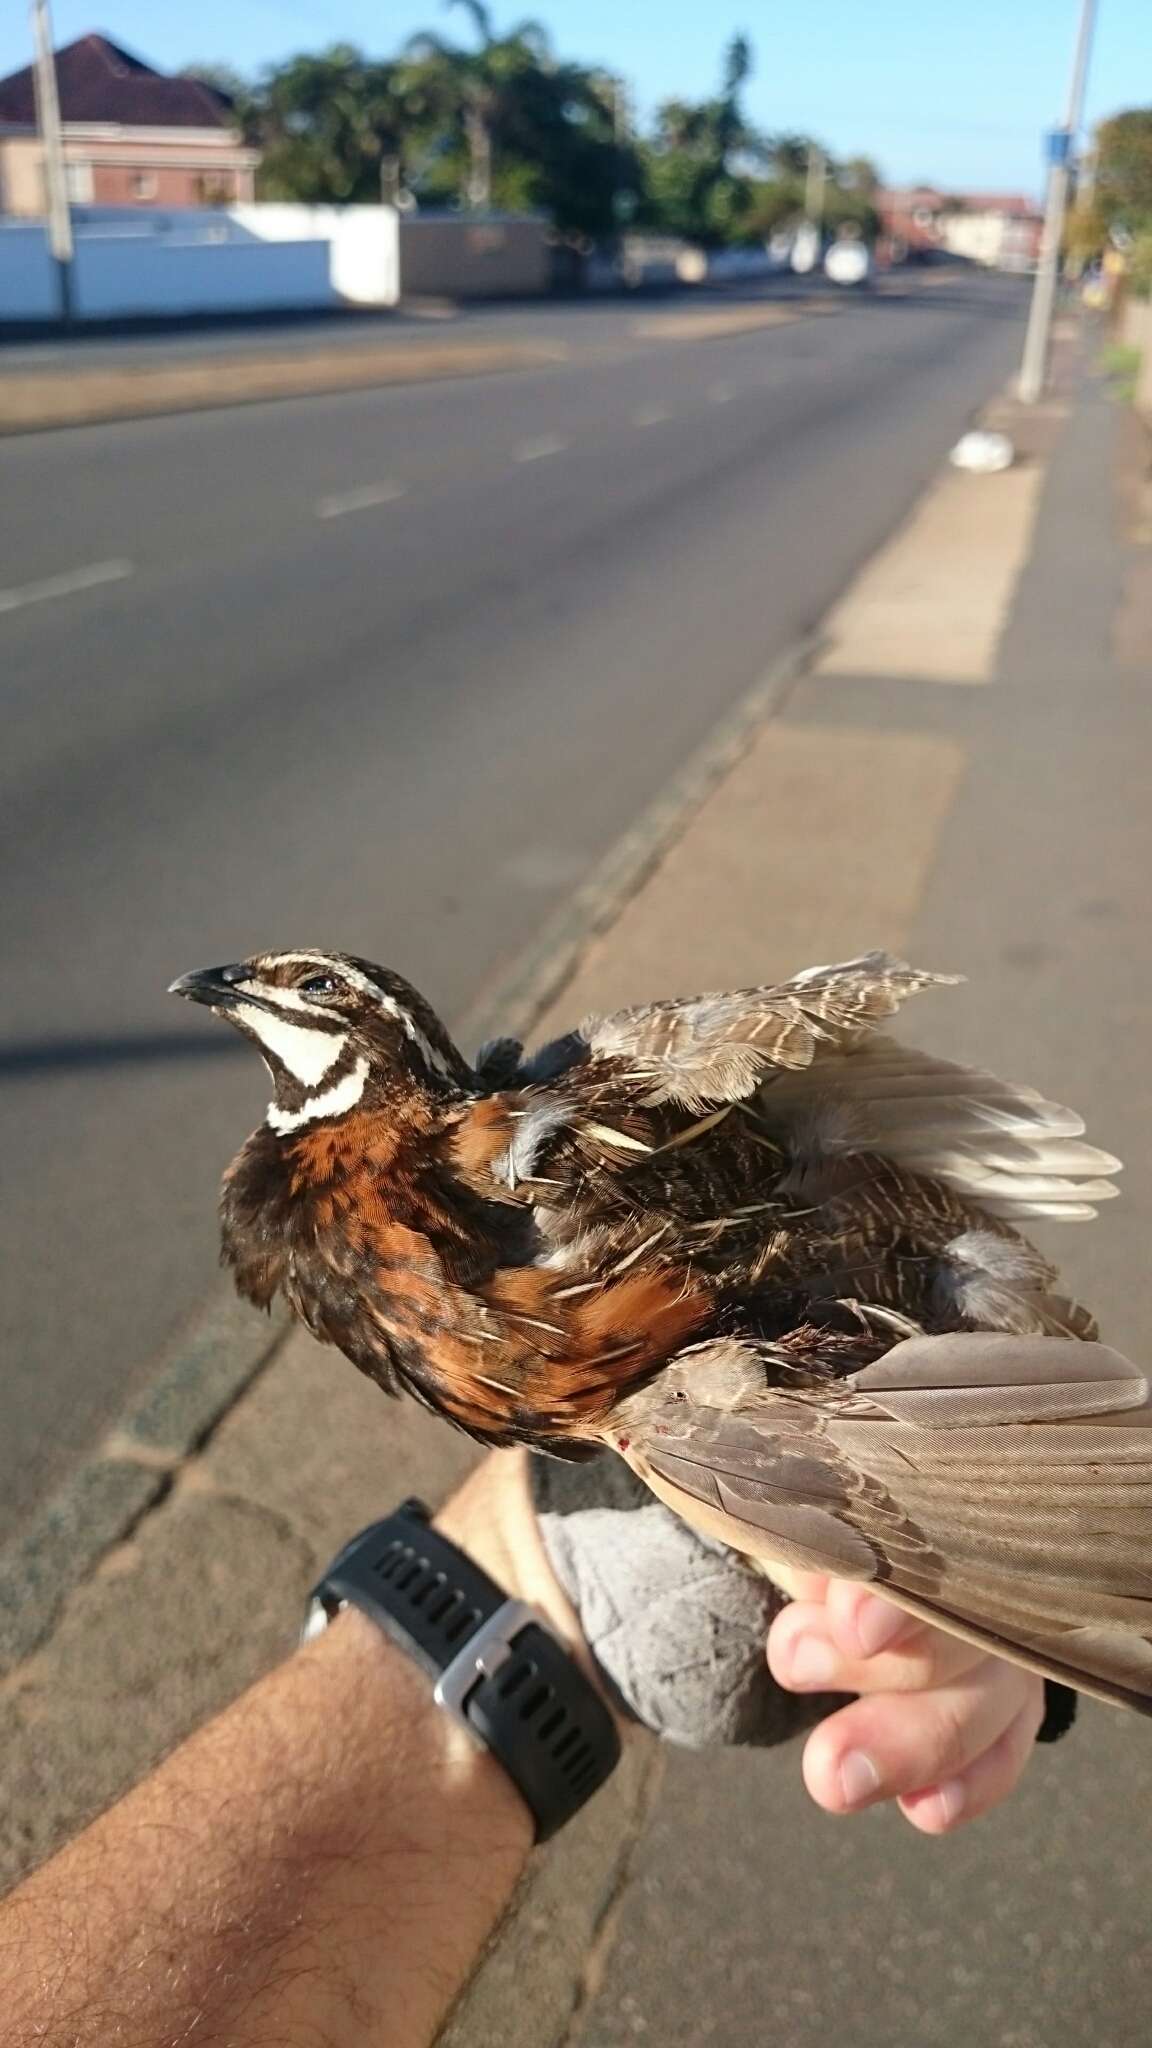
[(859, 1778), (949, 1801), (878, 1623), (813, 1662)]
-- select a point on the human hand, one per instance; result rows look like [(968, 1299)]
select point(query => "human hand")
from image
[(675, 1627), (672, 1626), (940, 1726)]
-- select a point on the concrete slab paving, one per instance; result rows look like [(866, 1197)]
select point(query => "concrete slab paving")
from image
[(750, 1915)]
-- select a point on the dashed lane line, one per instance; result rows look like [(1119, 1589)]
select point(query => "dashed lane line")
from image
[(72, 580), (360, 500), (536, 450)]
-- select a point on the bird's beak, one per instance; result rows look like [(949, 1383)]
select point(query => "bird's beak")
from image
[(215, 986)]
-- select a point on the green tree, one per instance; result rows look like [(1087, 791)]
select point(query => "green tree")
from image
[(516, 128), (501, 120), (222, 79), (781, 200), (1123, 190), (476, 90), (331, 127), (786, 156), (859, 174), (697, 182)]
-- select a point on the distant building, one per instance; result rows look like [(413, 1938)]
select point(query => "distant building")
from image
[(910, 218), (1000, 230), (132, 137)]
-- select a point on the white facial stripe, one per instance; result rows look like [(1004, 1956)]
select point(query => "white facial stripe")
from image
[(290, 999), (424, 1046), (328, 965), (343, 1095), (306, 1051), (284, 998)]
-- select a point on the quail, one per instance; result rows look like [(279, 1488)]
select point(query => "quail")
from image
[(713, 1234)]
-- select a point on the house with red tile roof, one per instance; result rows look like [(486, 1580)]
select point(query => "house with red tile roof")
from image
[(132, 136)]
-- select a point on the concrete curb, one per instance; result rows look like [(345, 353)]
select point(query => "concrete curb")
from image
[(226, 1347), (131, 1469)]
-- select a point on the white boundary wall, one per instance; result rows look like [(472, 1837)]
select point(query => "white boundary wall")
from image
[(121, 275), (27, 275), (364, 244), (135, 262)]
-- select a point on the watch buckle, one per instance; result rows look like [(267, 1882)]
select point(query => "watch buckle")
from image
[(485, 1653)]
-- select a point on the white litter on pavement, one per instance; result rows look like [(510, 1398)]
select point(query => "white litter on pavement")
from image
[(983, 451)]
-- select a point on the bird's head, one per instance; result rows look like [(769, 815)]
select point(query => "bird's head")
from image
[(336, 1033)]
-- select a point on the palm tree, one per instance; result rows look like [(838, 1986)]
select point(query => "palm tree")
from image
[(694, 184), (479, 89), (331, 127), (730, 129)]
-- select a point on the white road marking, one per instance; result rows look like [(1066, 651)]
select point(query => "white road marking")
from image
[(720, 394), (361, 500), (535, 451), (651, 415), (63, 586)]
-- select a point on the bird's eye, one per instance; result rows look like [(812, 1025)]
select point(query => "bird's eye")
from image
[(318, 985)]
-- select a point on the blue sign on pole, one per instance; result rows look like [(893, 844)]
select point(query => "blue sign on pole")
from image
[(1058, 145)]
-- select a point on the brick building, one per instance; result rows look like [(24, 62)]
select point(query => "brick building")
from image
[(998, 229), (132, 137)]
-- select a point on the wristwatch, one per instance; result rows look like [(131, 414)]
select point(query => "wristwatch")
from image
[(495, 1665)]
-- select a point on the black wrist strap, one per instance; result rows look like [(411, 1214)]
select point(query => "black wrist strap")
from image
[(1060, 1703), (494, 1664)]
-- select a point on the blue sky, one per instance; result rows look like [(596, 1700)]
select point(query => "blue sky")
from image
[(958, 96)]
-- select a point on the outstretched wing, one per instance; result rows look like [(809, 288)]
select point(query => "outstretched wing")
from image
[(1000, 1489), (805, 1058), (712, 1049)]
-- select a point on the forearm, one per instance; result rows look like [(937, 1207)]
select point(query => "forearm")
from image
[(322, 1863)]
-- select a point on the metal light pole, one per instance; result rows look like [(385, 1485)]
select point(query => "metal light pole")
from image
[(815, 185), (52, 143), (1034, 366)]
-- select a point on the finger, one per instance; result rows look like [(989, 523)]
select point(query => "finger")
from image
[(862, 1624), (796, 1584), (985, 1783), (805, 1655), (898, 1743)]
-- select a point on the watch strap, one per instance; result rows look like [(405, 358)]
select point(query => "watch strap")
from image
[(494, 1664), (1060, 1704)]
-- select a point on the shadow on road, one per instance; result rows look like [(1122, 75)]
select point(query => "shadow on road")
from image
[(950, 299), (75, 1055)]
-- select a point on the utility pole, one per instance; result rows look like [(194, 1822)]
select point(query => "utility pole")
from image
[(815, 185), (52, 144), (1034, 367)]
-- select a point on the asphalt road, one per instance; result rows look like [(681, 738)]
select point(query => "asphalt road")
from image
[(386, 671), (108, 345)]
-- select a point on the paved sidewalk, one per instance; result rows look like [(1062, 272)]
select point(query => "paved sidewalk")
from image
[(1002, 831)]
